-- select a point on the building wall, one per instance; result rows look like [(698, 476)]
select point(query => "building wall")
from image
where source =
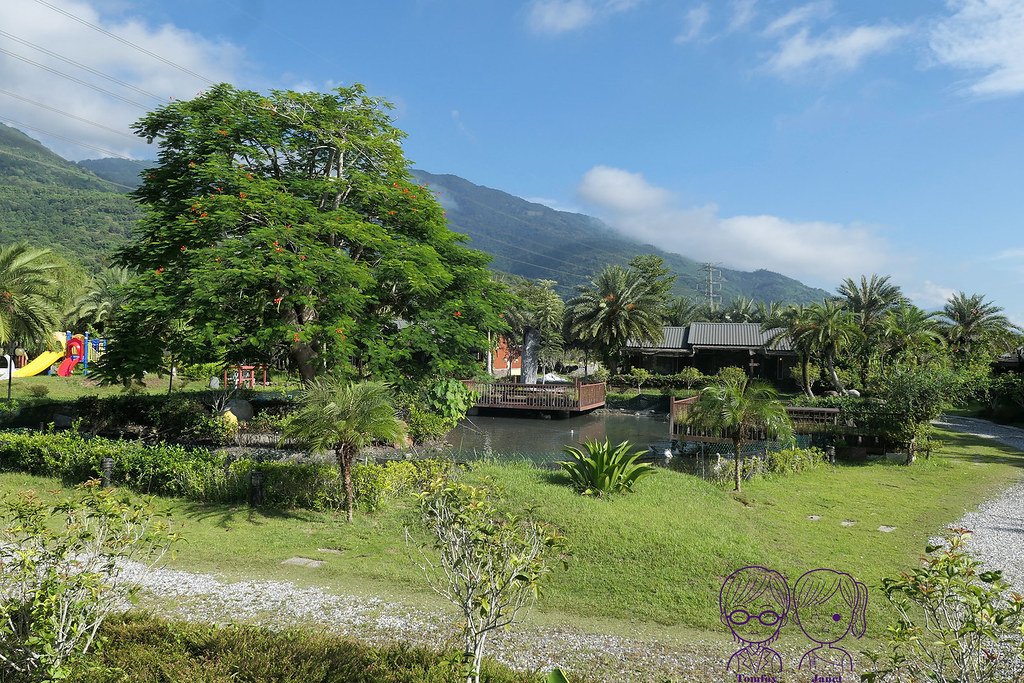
[(500, 364)]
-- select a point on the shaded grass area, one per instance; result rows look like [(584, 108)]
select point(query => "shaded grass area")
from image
[(142, 649), (28, 390), (653, 560)]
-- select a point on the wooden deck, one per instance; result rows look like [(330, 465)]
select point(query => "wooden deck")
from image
[(570, 398), (805, 421)]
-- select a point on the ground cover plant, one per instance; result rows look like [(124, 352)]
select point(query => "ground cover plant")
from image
[(600, 469), (655, 554)]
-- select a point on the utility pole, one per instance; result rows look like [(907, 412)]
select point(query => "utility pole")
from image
[(711, 288)]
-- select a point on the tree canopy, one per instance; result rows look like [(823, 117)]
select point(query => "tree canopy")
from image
[(287, 225)]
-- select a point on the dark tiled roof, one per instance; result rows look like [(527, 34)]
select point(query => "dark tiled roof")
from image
[(733, 335), (713, 335)]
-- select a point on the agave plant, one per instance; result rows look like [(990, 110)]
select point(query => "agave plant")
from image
[(599, 468)]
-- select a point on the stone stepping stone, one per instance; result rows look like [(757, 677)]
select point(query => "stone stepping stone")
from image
[(847, 522), (886, 529), (814, 518), (329, 551), (304, 562)]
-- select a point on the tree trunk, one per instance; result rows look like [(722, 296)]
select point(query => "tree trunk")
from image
[(833, 375), (805, 374), (302, 356), (739, 460), (346, 455), (531, 352)]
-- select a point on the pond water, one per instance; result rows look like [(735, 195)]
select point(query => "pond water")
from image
[(542, 440)]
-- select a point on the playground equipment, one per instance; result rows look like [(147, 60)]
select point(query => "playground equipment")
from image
[(245, 376), (78, 348)]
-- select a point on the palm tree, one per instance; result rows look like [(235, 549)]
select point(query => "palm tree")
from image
[(791, 325), (340, 416), (740, 310), (739, 408), (536, 320), (869, 300), (764, 311), (974, 325), (682, 310), (829, 330), (910, 333), (99, 305), (30, 307), (618, 306)]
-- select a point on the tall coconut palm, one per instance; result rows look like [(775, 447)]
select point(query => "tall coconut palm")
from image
[(739, 408), (790, 325), (99, 305), (343, 417), (682, 310), (30, 306), (869, 300), (829, 330), (909, 333), (618, 306), (974, 325)]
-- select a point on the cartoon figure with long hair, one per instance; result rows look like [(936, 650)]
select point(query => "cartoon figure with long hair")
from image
[(829, 605), (754, 603)]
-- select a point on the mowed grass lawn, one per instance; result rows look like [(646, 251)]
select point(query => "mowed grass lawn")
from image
[(640, 562)]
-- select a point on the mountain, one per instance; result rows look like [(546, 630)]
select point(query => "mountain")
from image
[(536, 241), (123, 172), (82, 211), (51, 202)]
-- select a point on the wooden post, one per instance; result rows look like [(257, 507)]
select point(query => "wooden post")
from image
[(255, 488), (107, 467)]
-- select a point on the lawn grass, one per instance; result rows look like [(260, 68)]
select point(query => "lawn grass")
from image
[(644, 561), (28, 390)]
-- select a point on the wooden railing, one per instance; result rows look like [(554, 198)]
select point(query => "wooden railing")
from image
[(805, 420), (569, 397)]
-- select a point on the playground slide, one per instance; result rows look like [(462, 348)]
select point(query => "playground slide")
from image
[(39, 364), (68, 365)]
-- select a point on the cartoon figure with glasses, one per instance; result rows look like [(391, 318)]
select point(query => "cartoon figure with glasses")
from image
[(828, 605), (754, 603)]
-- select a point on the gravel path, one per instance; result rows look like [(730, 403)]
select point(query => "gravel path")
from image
[(276, 604), (998, 524)]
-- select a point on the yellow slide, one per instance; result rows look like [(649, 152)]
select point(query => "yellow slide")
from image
[(40, 363)]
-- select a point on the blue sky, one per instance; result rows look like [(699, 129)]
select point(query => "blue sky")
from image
[(820, 139)]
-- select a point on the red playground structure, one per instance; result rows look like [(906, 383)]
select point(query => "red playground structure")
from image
[(74, 355)]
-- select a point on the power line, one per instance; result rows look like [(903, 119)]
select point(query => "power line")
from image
[(125, 41), (84, 67), (76, 80), (68, 114), (65, 138)]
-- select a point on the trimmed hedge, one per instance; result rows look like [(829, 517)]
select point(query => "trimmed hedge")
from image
[(205, 476)]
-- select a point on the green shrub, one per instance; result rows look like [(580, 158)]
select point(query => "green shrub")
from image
[(143, 649), (425, 425), (955, 621), (600, 469), (312, 486), (732, 374), (793, 460), (39, 390)]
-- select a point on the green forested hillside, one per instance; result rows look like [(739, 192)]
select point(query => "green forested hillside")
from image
[(123, 172), (535, 241), (53, 203)]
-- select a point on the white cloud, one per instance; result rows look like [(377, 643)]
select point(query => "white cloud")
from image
[(815, 250), (696, 18), (460, 125), (799, 16), (60, 34), (837, 49), (931, 295), (561, 16), (1008, 254), (984, 36), (743, 13)]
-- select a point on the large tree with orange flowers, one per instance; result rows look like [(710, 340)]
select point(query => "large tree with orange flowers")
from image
[(288, 225)]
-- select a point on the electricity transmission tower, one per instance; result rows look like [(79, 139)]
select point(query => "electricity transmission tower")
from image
[(711, 287)]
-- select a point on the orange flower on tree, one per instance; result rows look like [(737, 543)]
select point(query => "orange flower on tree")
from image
[(278, 300)]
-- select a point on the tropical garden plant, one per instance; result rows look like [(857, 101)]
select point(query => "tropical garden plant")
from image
[(741, 410), (488, 563), (975, 326), (30, 305), (339, 416), (600, 469)]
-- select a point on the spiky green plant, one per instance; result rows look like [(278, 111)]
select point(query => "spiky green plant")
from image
[(600, 469)]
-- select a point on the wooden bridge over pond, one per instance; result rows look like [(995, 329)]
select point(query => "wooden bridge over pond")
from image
[(805, 420), (564, 398)]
